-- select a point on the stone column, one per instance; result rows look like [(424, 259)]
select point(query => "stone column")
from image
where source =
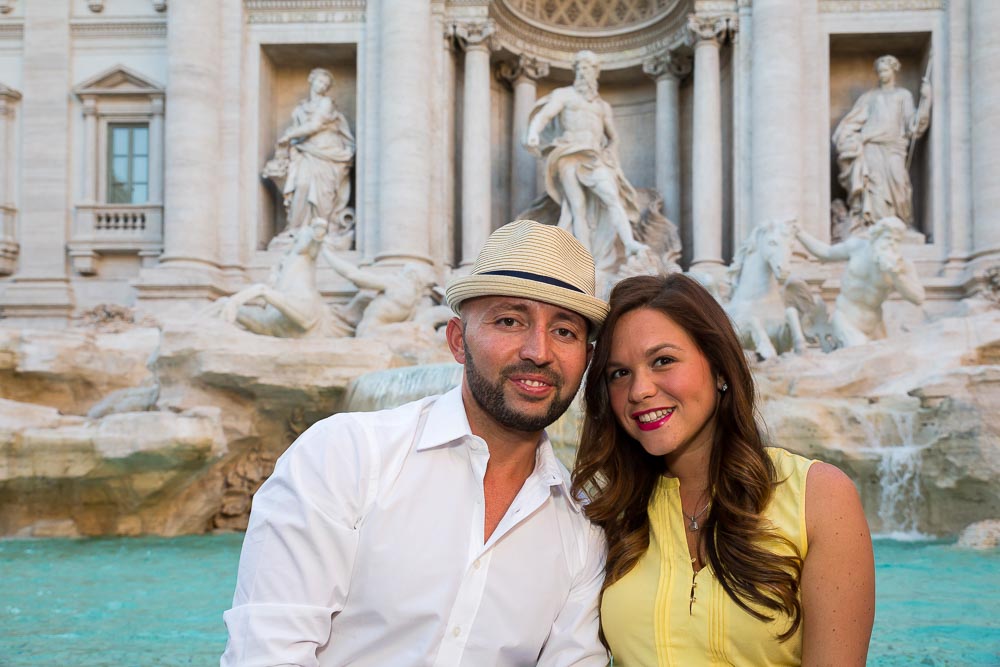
[(523, 165), (475, 37), (776, 110), (404, 144), (8, 99), (156, 152), (194, 100), (90, 150), (40, 289), (667, 69), (960, 101), (706, 204), (8, 214), (984, 48)]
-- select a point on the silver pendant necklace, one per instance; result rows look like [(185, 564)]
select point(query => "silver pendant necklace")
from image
[(693, 524)]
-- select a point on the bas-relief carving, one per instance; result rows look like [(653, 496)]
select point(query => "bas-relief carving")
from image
[(573, 131), (875, 269), (312, 162), (874, 144), (304, 11)]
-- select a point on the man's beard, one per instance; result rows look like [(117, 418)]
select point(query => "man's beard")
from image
[(586, 87), (490, 397)]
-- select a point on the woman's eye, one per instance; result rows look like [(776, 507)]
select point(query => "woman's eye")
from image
[(617, 373), (663, 361)]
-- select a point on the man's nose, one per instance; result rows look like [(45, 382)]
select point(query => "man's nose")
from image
[(537, 347)]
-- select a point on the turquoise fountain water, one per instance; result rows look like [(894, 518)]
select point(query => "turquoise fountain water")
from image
[(152, 601)]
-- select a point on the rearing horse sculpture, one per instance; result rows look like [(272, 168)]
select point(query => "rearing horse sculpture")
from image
[(764, 304)]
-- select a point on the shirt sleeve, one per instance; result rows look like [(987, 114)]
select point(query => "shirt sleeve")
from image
[(300, 546), (574, 640)]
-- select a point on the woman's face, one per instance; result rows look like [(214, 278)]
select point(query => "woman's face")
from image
[(662, 390)]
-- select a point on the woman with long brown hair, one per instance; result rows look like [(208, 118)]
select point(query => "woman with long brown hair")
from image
[(720, 550)]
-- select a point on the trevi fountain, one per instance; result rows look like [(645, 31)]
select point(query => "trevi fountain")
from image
[(223, 221)]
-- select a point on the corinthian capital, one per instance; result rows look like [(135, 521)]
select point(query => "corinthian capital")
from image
[(526, 67), (710, 28), (668, 63), (475, 34)]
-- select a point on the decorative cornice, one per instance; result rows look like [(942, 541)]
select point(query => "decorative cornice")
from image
[(846, 6), (471, 35), (304, 11), (12, 30), (668, 63), (90, 29)]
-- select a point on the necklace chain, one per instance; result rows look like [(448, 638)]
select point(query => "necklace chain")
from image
[(693, 524)]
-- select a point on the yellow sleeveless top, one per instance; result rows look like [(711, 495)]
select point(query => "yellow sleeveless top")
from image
[(648, 617)]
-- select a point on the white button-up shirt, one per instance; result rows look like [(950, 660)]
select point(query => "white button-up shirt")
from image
[(365, 547)]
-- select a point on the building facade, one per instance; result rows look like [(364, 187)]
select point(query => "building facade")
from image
[(133, 133)]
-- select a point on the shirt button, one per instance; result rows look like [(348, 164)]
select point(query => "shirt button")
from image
[(456, 631)]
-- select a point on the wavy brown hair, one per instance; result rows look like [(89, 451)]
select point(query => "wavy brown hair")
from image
[(618, 476)]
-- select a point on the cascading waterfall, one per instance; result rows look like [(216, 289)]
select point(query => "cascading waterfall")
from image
[(900, 462)]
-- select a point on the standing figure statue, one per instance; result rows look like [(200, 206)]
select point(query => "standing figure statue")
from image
[(874, 143), (875, 268), (290, 303), (572, 129), (315, 156)]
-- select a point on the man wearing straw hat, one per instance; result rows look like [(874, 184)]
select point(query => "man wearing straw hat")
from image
[(442, 532)]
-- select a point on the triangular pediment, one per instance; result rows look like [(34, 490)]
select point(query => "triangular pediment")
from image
[(119, 80)]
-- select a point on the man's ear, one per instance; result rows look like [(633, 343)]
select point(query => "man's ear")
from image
[(590, 352), (455, 335)]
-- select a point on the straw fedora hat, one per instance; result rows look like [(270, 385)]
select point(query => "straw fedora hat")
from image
[(534, 261)]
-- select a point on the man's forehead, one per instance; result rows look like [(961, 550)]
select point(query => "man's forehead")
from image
[(500, 302)]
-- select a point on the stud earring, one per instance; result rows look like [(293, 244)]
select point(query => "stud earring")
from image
[(724, 387)]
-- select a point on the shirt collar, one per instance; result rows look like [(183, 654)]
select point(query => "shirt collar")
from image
[(447, 422)]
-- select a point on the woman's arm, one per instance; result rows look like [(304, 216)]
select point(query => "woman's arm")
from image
[(838, 577)]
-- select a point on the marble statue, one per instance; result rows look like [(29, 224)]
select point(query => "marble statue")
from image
[(875, 268), (572, 129), (313, 160), (874, 143), (765, 304), (290, 304), (384, 299)]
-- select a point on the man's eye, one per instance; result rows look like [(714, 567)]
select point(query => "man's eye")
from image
[(563, 332), (507, 321)]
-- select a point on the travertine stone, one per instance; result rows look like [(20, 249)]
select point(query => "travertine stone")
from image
[(667, 70), (706, 160), (776, 109), (984, 47), (475, 37), (523, 174)]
